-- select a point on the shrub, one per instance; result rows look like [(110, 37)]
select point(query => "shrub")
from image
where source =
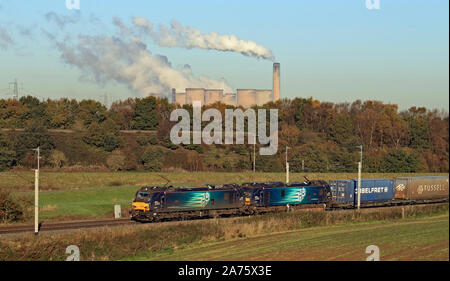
[(400, 161), (34, 135), (167, 143), (111, 142), (116, 161), (142, 140), (10, 210), (7, 159), (152, 159), (101, 136), (227, 166), (57, 159)]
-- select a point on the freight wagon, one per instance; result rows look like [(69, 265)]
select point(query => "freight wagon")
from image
[(373, 191), (421, 188)]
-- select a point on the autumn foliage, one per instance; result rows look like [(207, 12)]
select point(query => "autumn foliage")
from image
[(133, 134)]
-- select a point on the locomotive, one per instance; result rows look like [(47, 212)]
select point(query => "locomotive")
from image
[(166, 203)]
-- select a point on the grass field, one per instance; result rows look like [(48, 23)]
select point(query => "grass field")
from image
[(83, 204), (402, 233), (23, 181), (78, 195), (422, 239)]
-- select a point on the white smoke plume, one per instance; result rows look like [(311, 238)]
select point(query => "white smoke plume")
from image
[(5, 39), (62, 21), (183, 36), (125, 59)]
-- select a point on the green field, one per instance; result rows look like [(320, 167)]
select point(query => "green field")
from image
[(422, 239), (80, 195), (83, 204), (23, 181)]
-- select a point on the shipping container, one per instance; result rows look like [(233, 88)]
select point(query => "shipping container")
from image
[(342, 191), (375, 190), (372, 190), (421, 188)]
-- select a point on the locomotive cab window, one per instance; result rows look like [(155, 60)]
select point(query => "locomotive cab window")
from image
[(226, 196), (283, 193), (142, 195)]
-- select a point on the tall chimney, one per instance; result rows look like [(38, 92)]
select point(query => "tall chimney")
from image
[(174, 98), (276, 81)]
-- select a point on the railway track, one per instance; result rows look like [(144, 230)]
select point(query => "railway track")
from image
[(65, 225), (126, 221)]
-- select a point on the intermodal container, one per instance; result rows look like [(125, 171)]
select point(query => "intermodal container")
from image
[(342, 191), (421, 188), (372, 190), (375, 190)]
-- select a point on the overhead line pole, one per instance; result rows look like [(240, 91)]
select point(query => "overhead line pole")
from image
[(361, 154), (254, 154), (359, 185), (36, 193), (359, 176), (287, 165)]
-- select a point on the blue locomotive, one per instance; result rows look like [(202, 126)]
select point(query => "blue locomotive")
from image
[(160, 203), (186, 201), (266, 195)]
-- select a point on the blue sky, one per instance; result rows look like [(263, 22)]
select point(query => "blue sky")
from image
[(336, 51)]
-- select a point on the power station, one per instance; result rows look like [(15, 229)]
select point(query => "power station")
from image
[(243, 97)]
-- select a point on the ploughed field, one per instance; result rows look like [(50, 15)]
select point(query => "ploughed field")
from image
[(90, 195), (413, 240)]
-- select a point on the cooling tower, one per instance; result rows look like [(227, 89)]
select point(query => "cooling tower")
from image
[(276, 81), (263, 97), (180, 98), (246, 97), (229, 99), (195, 94), (213, 96)]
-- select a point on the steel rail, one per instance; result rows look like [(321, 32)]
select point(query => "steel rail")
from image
[(65, 225)]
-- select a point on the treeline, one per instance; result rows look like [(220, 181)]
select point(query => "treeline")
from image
[(321, 136)]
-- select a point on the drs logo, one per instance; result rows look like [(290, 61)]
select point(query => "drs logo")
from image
[(204, 200)]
